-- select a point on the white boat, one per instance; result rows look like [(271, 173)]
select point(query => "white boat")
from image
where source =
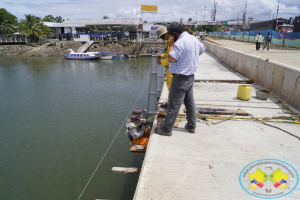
[(112, 55), (82, 56), (132, 56)]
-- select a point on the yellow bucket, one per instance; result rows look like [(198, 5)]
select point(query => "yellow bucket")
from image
[(244, 92)]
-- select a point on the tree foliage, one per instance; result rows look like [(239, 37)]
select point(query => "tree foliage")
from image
[(206, 28), (105, 17), (51, 18), (33, 27), (59, 19), (7, 22)]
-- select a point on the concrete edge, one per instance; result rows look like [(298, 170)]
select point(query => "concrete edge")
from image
[(276, 77)]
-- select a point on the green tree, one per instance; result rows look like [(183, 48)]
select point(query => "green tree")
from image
[(105, 17), (33, 27), (49, 18), (59, 19), (206, 28), (190, 19), (145, 21), (7, 22)]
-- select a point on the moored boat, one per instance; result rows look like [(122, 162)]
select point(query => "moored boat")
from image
[(112, 55), (82, 56)]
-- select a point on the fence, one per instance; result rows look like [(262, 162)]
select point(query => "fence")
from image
[(278, 38), (12, 38)]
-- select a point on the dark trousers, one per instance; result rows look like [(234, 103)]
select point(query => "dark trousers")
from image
[(181, 90), (258, 45), (267, 44)]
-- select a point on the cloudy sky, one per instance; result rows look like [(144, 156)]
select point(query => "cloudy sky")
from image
[(167, 10)]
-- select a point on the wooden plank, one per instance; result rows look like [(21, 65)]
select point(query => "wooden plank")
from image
[(126, 170), (220, 111), (138, 149)]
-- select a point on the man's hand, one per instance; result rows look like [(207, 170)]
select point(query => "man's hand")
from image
[(159, 57), (171, 43)]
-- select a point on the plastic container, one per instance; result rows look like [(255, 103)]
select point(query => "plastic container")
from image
[(262, 94), (244, 92)]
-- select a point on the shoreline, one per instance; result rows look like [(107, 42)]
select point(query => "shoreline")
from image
[(59, 49)]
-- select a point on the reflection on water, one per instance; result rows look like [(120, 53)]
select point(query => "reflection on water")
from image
[(58, 117)]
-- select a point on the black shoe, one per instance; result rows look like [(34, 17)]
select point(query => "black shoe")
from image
[(191, 130), (159, 131)]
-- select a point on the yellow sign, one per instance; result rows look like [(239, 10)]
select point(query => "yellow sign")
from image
[(148, 8)]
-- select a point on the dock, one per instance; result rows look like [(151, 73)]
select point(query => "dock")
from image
[(209, 163)]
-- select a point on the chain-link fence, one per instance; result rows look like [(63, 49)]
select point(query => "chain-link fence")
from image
[(279, 38)]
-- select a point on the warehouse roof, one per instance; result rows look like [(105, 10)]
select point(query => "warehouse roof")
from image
[(98, 22)]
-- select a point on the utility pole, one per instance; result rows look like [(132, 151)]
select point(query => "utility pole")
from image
[(270, 14), (204, 12), (215, 10), (277, 10), (244, 15), (238, 21)]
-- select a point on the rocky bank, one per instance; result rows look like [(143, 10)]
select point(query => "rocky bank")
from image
[(62, 48)]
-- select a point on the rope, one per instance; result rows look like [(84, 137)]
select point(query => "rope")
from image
[(257, 120), (209, 122), (283, 103), (143, 122), (112, 142)]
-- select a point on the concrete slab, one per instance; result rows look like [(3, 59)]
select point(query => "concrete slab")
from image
[(210, 69), (177, 167), (289, 57)]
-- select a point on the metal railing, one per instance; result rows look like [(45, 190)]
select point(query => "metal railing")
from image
[(155, 87), (83, 48)]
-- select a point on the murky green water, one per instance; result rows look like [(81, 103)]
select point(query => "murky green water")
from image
[(57, 119)]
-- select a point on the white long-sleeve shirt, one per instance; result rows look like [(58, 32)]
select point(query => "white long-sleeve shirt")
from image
[(258, 38)]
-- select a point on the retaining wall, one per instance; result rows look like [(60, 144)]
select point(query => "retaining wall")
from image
[(276, 77)]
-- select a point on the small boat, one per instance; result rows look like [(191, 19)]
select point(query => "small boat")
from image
[(82, 56), (135, 55), (112, 55), (132, 56)]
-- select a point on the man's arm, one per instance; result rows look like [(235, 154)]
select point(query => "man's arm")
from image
[(171, 45)]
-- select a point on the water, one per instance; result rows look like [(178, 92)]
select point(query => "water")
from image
[(57, 119)]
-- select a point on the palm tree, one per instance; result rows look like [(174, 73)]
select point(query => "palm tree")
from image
[(32, 27), (5, 26)]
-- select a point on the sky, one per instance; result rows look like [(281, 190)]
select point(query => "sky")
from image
[(168, 11)]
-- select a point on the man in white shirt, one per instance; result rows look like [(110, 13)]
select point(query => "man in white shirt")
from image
[(183, 62), (258, 41)]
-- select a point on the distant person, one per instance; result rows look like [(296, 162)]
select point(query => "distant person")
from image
[(202, 37), (268, 39), (163, 34), (184, 52), (138, 132), (258, 41)]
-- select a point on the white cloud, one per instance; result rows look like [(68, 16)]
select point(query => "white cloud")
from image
[(167, 10)]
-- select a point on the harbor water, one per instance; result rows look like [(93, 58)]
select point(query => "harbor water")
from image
[(58, 118)]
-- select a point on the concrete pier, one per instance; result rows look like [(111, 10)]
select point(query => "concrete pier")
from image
[(207, 164)]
